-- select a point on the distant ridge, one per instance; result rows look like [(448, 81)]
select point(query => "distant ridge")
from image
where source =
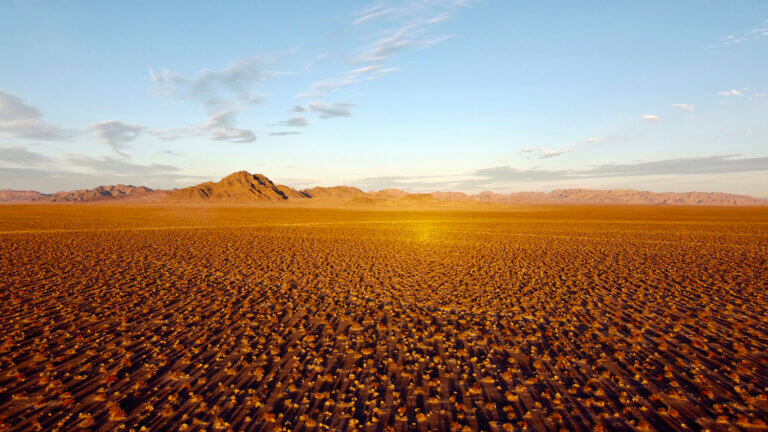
[(244, 187), (613, 196), (101, 193), (10, 195), (104, 193)]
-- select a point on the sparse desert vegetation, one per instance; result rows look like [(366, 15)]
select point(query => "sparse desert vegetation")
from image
[(165, 317)]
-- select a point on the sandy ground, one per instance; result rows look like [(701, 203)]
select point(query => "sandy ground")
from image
[(165, 318)]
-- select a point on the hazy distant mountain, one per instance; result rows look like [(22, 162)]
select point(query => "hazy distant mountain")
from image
[(241, 186), (334, 193), (244, 187), (101, 193), (105, 193), (616, 196), (9, 195)]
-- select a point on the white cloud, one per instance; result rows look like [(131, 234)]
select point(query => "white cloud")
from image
[(684, 107), (728, 93), (545, 153), (650, 117), (527, 150), (592, 140)]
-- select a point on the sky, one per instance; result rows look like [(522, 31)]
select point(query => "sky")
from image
[(421, 95)]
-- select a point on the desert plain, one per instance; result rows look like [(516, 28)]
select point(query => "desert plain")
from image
[(162, 317)]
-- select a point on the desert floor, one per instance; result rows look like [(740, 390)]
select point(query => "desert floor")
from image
[(546, 318)]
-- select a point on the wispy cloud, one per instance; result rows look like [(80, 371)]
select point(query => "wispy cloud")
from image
[(115, 134), (545, 153), (88, 172), (325, 110), (754, 34), (215, 90), (413, 19), (21, 156), (650, 117), (285, 133), (684, 107), (345, 79), (684, 166), (218, 127), (509, 176), (294, 122), (169, 153), (409, 36), (372, 14), (222, 93), (21, 120), (119, 166)]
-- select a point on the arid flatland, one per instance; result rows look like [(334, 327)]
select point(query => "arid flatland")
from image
[(168, 317)]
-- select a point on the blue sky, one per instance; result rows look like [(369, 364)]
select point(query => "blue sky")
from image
[(422, 94)]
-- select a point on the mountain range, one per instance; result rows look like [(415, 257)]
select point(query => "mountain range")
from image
[(243, 187)]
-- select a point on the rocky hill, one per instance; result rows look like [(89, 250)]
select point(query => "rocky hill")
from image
[(241, 187)]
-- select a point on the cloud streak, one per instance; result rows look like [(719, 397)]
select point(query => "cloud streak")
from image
[(546, 153), (294, 122), (325, 110), (345, 79)]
